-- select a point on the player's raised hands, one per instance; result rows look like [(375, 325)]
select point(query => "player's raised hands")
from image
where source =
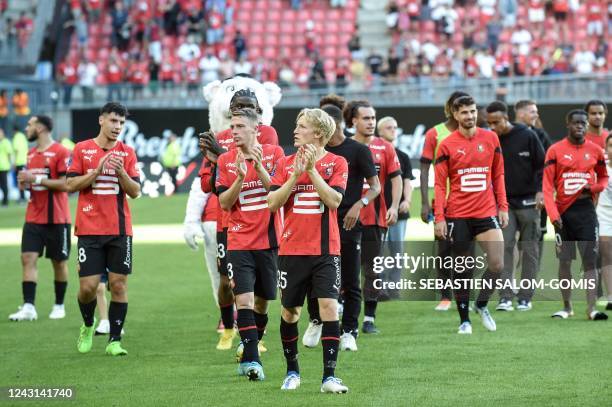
[(256, 154), (115, 162), (241, 167), (102, 163), (298, 164), (310, 156)]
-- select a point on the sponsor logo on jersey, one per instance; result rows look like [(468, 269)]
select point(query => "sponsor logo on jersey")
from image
[(569, 157), (461, 151)]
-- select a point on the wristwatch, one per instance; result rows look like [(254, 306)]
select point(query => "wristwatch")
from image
[(365, 201)]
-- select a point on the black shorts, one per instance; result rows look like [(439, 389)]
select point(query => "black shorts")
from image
[(317, 275), (99, 254), (55, 238), (222, 252), (253, 271), (462, 232), (580, 227)]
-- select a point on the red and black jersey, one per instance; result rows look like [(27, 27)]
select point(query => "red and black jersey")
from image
[(475, 168), (250, 223), (599, 139), (210, 210), (102, 207), (311, 228), (387, 166), (266, 135), (47, 206), (568, 169)]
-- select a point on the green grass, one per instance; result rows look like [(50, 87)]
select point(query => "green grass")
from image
[(163, 210), (145, 211), (417, 360)]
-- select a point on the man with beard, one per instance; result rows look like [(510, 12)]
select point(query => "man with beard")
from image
[(47, 223)]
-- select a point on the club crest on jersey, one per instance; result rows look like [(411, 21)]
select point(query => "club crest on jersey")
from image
[(377, 156), (587, 156), (480, 148), (328, 171)]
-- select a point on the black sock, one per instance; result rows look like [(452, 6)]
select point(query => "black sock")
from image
[(116, 318), (330, 339), (313, 310), (261, 320), (29, 291), (248, 334), (369, 308), (464, 310), (489, 280), (60, 291), (289, 338), (87, 311), (227, 315)]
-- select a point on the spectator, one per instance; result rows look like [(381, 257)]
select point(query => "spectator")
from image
[(487, 10), (81, 28), (88, 74), (374, 62), (229, 12), (195, 23), (4, 110), (21, 107), (171, 159), (522, 38), (94, 9), (3, 34), (214, 33), (209, 65), (342, 71), (486, 63), (138, 75), (358, 71), (430, 50), (536, 14), (119, 18), (584, 60), (392, 65), (6, 161), (296, 4), (20, 152), (189, 51), (392, 16), (595, 14), (114, 77), (243, 66), (192, 76), (494, 30), (317, 78), (560, 9), (67, 74), (170, 17), (507, 11), (354, 46), (413, 8), (23, 27), (240, 45), (445, 17), (286, 76), (142, 19), (166, 70), (226, 65)]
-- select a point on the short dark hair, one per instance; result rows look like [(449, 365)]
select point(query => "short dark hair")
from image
[(497, 106), (595, 102), (45, 121), (463, 101), (333, 100), (334, 112), (448, 106), (114, 107), (523, 103), (574, 112), (248, 113), (352, 108)]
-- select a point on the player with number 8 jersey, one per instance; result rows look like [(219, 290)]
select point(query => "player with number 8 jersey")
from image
[(104, 170)]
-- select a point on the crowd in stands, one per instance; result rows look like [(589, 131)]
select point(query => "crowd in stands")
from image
[(128, 45), (15, 30), (494, 38)]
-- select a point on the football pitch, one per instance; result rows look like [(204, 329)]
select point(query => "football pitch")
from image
[(418, 359)]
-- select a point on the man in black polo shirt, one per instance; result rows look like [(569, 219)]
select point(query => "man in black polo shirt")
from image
[(523, 168), (361, 166)]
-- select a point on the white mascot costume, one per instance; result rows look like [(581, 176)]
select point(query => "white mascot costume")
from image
[(218, 95)]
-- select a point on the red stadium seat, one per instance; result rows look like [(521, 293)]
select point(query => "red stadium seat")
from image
[(270, 53), (274, 15)]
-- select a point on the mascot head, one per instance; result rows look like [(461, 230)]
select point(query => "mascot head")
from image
[(246, 90)]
